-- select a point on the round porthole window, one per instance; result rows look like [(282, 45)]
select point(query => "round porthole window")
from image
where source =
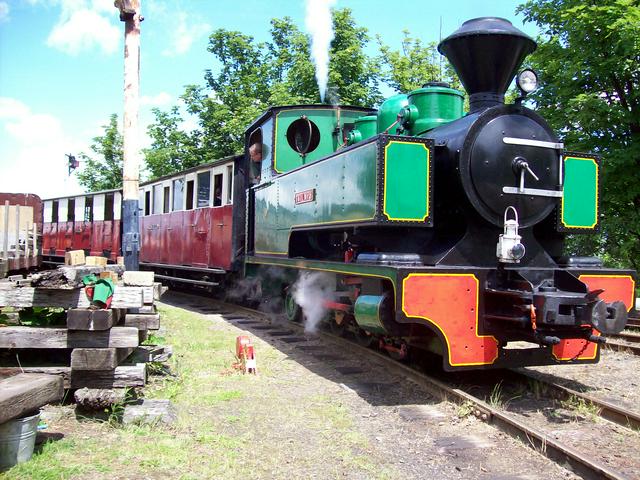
[(303, 136)]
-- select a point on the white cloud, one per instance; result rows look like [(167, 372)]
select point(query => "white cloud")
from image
[(4, 12), (34, 145), (83, 30), (187, 31), (159, 100)]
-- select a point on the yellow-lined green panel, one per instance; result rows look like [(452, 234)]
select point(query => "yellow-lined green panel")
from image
[(406, 181), (580, 193)]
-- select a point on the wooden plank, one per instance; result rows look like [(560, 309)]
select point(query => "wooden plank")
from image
[(91, 320), (138, 278), (98, 358), (124, 376), (142, 322), (56, 337), (96, 261), (142, 310), (25, 392), (123, 297), (74, 257)]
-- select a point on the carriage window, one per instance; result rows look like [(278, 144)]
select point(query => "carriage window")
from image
[(71, 210), (88, 209), (157, 199), (189, 195), (229, 183), (204, 189), (165, 204), (54, 211), (147, 202), (108, 207), (178, 188), (217, 190)]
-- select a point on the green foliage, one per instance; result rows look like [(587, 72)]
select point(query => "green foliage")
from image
[(42, 316), (102, 170), (588, 58), (172, 149), (414, 65)]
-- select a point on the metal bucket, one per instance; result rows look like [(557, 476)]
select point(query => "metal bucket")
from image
[(17, 439)]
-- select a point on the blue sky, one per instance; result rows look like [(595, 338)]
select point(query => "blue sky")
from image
[(61, 67)]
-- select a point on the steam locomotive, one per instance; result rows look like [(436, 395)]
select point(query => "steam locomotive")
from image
[(431, 228)]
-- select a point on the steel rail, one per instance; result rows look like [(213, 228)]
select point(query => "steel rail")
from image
[(622, 347), (607, 410)]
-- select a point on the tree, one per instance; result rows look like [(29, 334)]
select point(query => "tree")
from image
[(588, 57), (414, 65), (172, 149), (103, 170), (254, 76)]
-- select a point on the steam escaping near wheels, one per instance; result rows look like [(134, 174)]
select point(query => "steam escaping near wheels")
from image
[(310, 291)]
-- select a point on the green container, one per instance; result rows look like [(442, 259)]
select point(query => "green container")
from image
[(369, 310), (363, 128), (388, 112), (430, 107)]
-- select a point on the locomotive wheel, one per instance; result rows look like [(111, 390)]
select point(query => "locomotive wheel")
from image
[(338, 323), (363, 338), (291, 309), (398, 352)]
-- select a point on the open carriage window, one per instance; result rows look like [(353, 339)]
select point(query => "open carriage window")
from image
[(71, 210), (204, 189), (229, 183), (88, 209), (217, 190), (165, 199), (189, 195), (108, 207), (178, 194), (147, 202)]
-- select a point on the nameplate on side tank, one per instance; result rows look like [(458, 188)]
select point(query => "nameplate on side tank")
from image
[(305, 196)]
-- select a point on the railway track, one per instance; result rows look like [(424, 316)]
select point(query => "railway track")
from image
[(581, 462)]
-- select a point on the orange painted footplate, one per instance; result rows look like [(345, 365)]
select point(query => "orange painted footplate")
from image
[(616, 288), (450, 303)]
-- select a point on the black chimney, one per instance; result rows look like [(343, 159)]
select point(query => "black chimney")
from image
[(486, 53)]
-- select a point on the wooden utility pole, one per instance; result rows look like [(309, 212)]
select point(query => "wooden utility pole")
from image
[(130, 14)]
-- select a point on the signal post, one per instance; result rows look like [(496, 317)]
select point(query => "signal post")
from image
[(130, 15)]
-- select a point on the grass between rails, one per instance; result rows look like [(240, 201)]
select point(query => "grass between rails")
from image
[(274, 425)]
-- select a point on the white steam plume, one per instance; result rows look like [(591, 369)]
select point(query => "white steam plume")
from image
[(320, 27), (310, 292)]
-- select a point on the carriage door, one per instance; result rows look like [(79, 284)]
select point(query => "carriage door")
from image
[(200, 226)]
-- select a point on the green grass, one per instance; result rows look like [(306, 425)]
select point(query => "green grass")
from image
[(229, 425)]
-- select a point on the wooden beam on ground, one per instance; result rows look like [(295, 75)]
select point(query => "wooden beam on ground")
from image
[(123, 297), (25, 392), (56, 337), (142, 322), (98, 358), (91, 320), (124, 376)]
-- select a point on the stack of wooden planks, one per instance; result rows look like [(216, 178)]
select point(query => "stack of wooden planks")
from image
[(97, 342)]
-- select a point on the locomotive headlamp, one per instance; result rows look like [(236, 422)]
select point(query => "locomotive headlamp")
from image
[(509, 248), (527, 81)]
